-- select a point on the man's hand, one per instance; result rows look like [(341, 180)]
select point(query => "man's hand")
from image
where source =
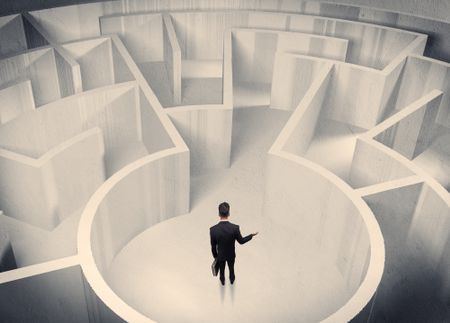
[(254, 234)]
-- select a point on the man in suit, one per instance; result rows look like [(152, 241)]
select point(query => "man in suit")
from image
[(223, 235)]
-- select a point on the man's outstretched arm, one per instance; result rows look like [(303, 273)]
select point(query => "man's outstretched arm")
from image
[(213, 244), (241, 239)]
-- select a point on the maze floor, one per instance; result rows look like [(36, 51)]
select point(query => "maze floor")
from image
[(303, 286)]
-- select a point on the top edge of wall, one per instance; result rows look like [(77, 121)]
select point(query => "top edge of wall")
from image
[(426, 9)]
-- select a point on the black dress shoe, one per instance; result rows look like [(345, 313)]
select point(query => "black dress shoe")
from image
[(232, 280), (222, 281)]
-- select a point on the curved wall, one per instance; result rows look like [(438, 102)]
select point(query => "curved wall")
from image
[(356, 248), (425, 8), (344, 229), (142, 194)]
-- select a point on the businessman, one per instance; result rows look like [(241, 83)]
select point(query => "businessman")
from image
[(223, 235)]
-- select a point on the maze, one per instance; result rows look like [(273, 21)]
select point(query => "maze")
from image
[(124, 123)]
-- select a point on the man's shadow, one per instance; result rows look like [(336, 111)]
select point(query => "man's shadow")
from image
[(222, 292), (232, 290), (222, 289)]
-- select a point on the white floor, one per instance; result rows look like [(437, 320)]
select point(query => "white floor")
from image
[(251, 94), (165, 271), (201, 91), (333, 147), (194, 90)]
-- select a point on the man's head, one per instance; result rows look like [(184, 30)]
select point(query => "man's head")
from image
[(224, 210)]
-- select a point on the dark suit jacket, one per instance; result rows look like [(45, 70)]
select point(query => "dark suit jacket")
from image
[(223, 235)]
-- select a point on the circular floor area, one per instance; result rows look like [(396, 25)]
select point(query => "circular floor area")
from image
[(165, 272)]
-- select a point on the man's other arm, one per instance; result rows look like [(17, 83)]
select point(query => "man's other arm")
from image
[(241, 239), (213, 244)]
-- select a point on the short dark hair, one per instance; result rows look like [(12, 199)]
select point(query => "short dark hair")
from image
[(224, 209)]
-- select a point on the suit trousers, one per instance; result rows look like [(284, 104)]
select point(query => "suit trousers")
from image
[(221, 265)]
